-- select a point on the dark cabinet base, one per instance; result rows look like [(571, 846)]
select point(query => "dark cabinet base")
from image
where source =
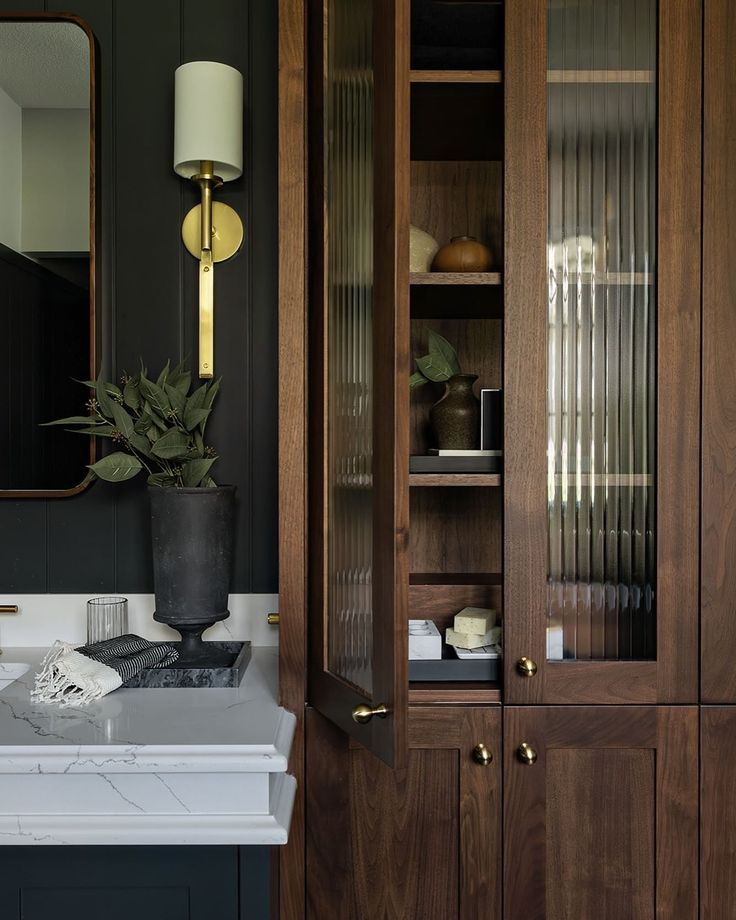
[(135, 883)]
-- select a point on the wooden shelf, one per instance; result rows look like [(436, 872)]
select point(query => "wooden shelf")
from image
[(454, 479), (455, 578), (432, 278), (601, 76), (439, 692), (456, 76)]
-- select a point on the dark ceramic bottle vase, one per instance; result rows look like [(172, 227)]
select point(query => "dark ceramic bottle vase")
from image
[(455, 418), (192, 533)]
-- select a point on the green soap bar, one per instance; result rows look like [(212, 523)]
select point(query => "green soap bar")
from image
[(464, 640), (474, 621)]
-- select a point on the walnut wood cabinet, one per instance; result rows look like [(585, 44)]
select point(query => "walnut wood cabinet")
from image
[(567, 136)]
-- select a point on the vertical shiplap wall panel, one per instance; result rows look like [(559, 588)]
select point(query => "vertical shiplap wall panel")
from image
[(147, 283)]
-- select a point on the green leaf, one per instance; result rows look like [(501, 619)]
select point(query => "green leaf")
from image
[(435, 368), (140, 443), (439, 347), (155, 396), (417, 379), (116, 467), (209, 483), (123, 422), (195, 417), (131, 394), (143, 423), (161, 479), (212, 390), (73, 420), (99, 431), (174, 445), (163, 376), (198, 443), (177, 399), (103, 399), (194, 471), (183, 382), (195, 406)]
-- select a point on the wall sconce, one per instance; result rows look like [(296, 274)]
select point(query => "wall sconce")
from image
[(208, 149)]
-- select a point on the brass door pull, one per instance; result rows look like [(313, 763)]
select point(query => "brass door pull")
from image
[(527, 667), (526, 754), (273, 619), (363, 714), (481, 755), (8, 608)]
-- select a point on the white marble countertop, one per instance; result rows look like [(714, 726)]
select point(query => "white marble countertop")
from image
[(146, 766)]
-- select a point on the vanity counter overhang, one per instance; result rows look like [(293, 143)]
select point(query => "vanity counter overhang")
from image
[(163, 766)]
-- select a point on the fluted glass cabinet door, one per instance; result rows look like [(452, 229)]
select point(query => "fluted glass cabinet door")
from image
[(358, 317), (602, 589)]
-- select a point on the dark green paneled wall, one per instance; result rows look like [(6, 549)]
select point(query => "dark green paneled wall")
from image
[(99, 541)]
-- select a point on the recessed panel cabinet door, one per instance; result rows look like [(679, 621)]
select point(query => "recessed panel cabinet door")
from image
[(358, 326), (601, 813), (601, 356), (423, 843)]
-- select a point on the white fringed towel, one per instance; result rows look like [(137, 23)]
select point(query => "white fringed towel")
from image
[(73, 676)]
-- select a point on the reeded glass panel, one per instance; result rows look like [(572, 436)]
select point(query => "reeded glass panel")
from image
[(602, 140), (349, 210)]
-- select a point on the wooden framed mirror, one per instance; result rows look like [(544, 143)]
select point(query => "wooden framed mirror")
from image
[(48, 209)]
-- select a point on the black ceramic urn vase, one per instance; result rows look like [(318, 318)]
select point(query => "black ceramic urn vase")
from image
[(192, 533)]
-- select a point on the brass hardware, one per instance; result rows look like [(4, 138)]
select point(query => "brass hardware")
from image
[(272, 619), (363, 714), (526, 754), (212, 232), (481, 755), (527, 667), (8, 608)]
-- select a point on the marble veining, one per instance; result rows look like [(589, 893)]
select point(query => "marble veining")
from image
[(147, 766)]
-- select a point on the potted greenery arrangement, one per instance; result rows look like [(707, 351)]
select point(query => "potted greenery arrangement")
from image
[(159, 427), (455, 417)]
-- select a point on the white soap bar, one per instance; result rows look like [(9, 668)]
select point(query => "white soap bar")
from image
[(474, 621), (425, 641), (465, 640)]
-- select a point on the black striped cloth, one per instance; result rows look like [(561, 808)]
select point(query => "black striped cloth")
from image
[(130, 654)]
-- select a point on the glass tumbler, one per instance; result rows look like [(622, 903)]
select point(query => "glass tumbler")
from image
[(107, 617)]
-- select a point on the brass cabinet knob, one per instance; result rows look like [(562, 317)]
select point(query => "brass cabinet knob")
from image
[(481, 755), (273, 619), (526, 754), (526, 666), (363, 714)]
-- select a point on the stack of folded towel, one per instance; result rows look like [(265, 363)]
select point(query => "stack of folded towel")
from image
[(73, 676)]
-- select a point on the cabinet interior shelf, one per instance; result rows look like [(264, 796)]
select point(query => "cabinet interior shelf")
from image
[(456, 578), (438, 692), (432, 278), (456, 76), (454, 479)]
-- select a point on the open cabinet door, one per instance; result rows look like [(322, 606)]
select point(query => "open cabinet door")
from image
[(359, 398)]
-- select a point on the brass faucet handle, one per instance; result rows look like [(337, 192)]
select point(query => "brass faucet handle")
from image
[(8, 608)]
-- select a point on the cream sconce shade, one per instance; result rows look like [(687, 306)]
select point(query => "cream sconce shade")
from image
[(208, 149)]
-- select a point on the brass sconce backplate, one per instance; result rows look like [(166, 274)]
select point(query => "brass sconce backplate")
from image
[(227, 231)]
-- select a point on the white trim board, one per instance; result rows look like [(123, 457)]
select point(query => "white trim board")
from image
[(43, 618)]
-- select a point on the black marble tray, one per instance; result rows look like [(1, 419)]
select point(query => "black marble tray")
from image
[(452, 668), (197, 676)]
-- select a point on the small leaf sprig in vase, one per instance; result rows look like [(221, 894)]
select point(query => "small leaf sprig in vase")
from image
[(159, 425), (438, 366)]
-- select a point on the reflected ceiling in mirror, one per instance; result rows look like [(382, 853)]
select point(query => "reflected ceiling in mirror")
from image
[(47, 232)]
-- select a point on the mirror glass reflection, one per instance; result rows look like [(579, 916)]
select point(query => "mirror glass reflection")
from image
[(46, 286)]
